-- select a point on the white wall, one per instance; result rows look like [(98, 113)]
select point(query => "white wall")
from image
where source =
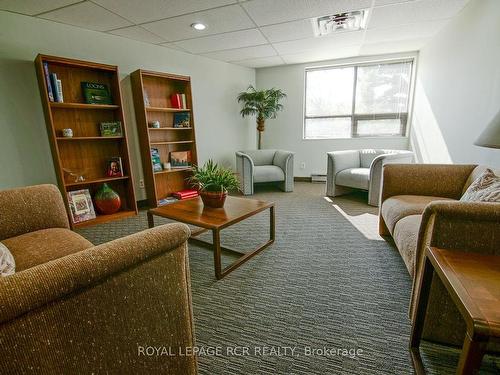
[(286, 131), (24, 149), (458, 88)]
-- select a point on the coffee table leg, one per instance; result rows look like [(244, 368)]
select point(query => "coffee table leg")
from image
[(272, 224), (418, 323), (151, 220), (472, 356), (217, 253)]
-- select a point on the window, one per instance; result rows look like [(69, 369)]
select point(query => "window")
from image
[(365, 100)]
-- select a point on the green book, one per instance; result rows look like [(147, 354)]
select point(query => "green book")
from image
[(96, 93)]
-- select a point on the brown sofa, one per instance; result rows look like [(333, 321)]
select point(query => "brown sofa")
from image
[(419, 207), (72, 307)]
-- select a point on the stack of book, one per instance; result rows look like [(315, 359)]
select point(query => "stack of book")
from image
[(54, 85), (178, 101), (185, 194)]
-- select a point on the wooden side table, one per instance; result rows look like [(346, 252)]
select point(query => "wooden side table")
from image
[(473, 282)]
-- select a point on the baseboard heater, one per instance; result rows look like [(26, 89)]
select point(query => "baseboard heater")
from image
[(318, 178)]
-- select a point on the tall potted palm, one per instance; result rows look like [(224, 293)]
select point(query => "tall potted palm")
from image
[(264, 104)]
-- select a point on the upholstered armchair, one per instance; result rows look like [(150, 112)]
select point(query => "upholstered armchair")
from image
[(72, 307), (257, 166), (361, 169)]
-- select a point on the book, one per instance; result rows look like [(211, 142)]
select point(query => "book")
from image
[(81, 206), (180, 159), (183, 101), (59, 90), (53, 82), (175, 101), (47, 80), (185, 194), (155, 158), (96, 93), (181, 120), (111, 129), (114, 167)]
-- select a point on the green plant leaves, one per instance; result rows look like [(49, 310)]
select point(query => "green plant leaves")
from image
[(212, 177), (264, 104)]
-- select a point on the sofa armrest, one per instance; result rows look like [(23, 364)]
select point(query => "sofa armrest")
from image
[(440, 180), (338, 161), (244, 168), (284, 160), (452, 225), (376, 167), (31, 208), (94, 309)]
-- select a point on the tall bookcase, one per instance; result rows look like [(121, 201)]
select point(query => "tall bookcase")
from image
[(158, 88), (87, 152)]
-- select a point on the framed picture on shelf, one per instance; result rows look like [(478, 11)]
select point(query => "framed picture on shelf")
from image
[(115, 167), (181, 120), (81, 206), (180, 159), (96, 93), (111, 129)]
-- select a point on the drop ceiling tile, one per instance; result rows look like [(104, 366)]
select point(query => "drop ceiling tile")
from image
[(266, 12), (393, 47), (311, 56), (389, 2), (172, 46), (138, 33), (261, 62), (87, 15), (413, 12), (31, 7), (412, 31), (329, 42), (220, 20), (288, 31), (243, 53), (152, 10), (235, 39)]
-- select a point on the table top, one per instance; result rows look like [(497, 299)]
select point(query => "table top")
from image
[(192, 211), (473, 281)]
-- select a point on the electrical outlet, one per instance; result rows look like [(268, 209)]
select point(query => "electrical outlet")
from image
[(141, 184), (302, 165)]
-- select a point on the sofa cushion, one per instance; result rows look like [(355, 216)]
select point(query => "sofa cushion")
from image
[(7, 262), (268, 173), (358, 178), (486, 188), (399, 206), (405, 236), (41, 246)]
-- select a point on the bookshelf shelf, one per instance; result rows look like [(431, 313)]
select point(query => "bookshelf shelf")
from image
[(161, 109), (83, 106), (88, 138), (87, 152), (159, 88)]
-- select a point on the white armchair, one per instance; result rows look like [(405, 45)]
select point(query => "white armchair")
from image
[(264, 166), (361, 169)]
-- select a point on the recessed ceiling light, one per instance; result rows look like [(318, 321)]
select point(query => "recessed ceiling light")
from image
[(198, 26)]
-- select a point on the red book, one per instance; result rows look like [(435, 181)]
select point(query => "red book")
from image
[(175, 101), (184, 194)]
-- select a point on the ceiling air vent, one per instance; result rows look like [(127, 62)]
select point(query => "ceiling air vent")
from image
[(349, 21)]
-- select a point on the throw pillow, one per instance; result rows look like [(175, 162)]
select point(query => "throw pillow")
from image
[(486, 188), (7, 263)]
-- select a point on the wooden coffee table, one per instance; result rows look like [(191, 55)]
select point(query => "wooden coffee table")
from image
[(192, 211)]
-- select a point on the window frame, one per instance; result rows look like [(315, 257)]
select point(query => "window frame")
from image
[(405, 117)]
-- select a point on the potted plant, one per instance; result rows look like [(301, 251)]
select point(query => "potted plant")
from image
[(264, 104), (213, 183)]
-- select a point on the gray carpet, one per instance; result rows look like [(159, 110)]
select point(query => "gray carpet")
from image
[(328, 281)]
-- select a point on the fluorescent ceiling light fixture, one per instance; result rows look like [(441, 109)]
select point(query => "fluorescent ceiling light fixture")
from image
[(348, 21), (198, 26)]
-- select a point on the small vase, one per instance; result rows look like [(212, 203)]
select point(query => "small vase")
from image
[(107, 201), (214, 199)]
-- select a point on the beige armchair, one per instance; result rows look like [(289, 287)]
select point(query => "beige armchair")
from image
[(360, 169), (72, 307)]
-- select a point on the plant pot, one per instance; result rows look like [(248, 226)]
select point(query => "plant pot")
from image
[(106, 200), (214, 199)]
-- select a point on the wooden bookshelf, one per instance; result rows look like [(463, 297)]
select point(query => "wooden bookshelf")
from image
[(159, 87), (87, 151)]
